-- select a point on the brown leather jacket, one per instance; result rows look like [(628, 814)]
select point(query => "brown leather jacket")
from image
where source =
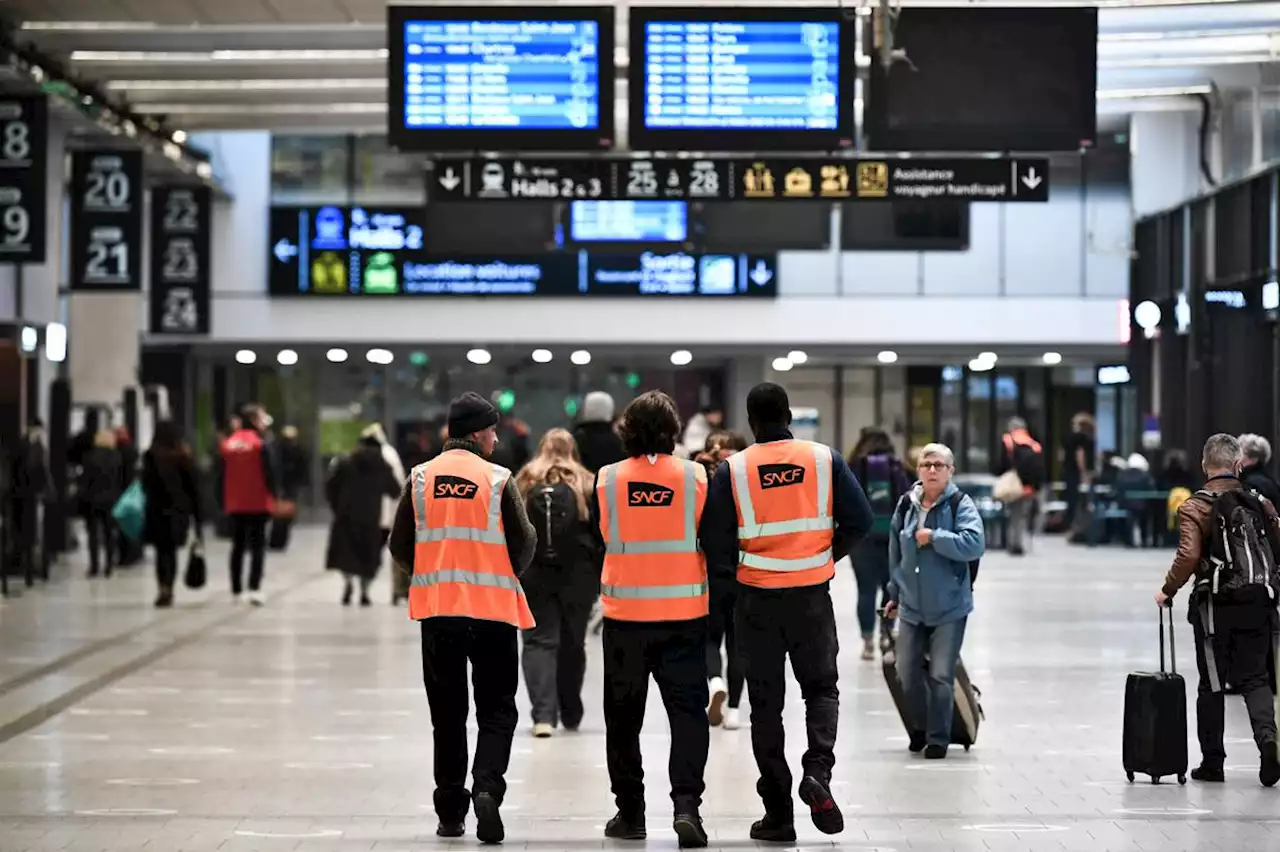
[(1193, 530)]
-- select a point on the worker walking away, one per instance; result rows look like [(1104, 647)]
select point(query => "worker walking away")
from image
[(653, 592), (462, 526), (786, 511)]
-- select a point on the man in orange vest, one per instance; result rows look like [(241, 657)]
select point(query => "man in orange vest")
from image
[(653, 591), (462, 527), (786, 511)]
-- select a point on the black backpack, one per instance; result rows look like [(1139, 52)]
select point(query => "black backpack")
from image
[(1240, 561), (553, 510), (954, 501), (1029, 464)]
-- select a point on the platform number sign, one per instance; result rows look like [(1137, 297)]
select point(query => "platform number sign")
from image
[(180, 257), (106, 220), (24, 122)]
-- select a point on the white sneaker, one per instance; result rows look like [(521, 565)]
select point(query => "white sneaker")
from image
[(732, 719), (542, 730), (257, 598), (715, 710)]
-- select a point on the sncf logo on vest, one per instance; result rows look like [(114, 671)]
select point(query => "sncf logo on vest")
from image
[(649, 494), (778, 475), (454, 488)]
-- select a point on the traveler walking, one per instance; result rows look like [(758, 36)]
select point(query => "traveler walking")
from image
[(878, 469), (399, 579), (99, 484), (1078, 450), (561, 583), (291, 464), (726, 681), (171, 485), (1257, 455), (461, 528), (1229, 541), (129, 551), (654, 594), (356, 486), (597, 440), (785, 511), (935, 535), (249, 490), (1022, 457)]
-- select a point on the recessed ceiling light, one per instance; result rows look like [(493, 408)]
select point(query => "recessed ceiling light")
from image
[(246, 357), (989, 357), (797, 356), (888, 356), (1052, 358), (681, 357), (978, 365), (581, 357), (782, 365), (542, 356), (336, 355), (379, 356), (286, 357), (479, 356)]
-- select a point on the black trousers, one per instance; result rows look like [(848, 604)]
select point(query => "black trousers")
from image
[(772, 624), (100, 528), (1243, 650), (447, 645), (555, 654), (675, 654), (720, 629), (166, 565), (248, 533)]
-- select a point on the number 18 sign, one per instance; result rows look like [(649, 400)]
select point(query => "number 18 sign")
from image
[(23, 178), (106, 220)]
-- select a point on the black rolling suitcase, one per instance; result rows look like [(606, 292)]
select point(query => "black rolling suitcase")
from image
[(1155, 719), (967, 714)]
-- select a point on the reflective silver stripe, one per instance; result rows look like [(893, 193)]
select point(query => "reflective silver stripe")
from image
[(688, 543), (822, 464), (469, 578), (783, 527), (419, 497), (742, 491), (634, 548), (690, 506), (500, 476), (460, 534), (771, 563), (693, 590), (611, 500)]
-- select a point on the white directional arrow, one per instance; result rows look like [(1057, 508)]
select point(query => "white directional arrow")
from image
[(762, 274), (450, 180), (285, 250), (1031, 180)]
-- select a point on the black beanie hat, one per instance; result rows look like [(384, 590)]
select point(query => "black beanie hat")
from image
[(470, 413)]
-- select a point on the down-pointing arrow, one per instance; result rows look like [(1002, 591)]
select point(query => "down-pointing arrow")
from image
[(1031, 180), (450, 180), (761, 275)]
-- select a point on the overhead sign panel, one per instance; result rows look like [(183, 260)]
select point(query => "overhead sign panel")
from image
[(334, 250), (761, 179), (106, 220), (24, 165), (514, 78), (180, 260), (741, 79)]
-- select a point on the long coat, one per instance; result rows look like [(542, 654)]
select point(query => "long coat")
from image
[(355, 488)]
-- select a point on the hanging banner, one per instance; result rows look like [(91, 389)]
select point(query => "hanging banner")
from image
[(106, 221), (24, 168), (180, 281)]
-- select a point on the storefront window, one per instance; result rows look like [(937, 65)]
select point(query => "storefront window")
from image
[(980, 437), (309, 169)]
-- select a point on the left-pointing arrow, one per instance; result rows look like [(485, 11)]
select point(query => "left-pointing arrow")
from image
[(285, 251)]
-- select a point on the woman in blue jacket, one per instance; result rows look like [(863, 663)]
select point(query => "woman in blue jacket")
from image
[(935, 533)]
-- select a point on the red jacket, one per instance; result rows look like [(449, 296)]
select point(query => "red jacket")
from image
[(247, 483)]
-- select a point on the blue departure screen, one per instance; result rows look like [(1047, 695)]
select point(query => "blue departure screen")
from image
[(742, 75), (484, 74), (629, 221)]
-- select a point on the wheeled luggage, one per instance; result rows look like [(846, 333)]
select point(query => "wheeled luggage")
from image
[(1155, 719), (967, 714)]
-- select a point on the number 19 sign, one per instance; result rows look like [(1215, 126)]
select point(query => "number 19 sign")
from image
[(106, 220), (23, 178)]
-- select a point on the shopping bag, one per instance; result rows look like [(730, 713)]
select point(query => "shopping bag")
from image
[(130, 511), (196, 574)]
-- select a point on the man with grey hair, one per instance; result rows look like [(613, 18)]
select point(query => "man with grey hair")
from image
[(1229, 541), (1257, 455), (1023, 455)]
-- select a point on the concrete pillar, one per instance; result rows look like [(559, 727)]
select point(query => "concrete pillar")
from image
[(104, 331)]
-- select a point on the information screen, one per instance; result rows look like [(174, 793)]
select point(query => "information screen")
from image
[(337, 250), (628, 221), (751, 77), (524, 79)]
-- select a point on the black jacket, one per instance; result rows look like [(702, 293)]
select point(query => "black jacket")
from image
[(1257, 478), (101, 478), (522, 540), (291, 462), (354, 491), (598, 445), (171, 484)]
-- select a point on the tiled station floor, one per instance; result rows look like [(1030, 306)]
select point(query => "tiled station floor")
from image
[(303, 726)]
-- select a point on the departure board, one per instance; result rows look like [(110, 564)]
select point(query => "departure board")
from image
[(749, 77), (517, 79), (628, 221)]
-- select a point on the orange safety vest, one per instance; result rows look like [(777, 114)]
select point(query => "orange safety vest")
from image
[(785, 528), (460, 562), (650, 508)]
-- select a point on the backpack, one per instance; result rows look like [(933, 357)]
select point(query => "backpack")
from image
[(884, 483), (1029, 463), (1240, 561), (553, 511), (1177, 496), (954, 502)]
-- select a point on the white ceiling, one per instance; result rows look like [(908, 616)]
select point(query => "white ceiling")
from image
[(320, 64)]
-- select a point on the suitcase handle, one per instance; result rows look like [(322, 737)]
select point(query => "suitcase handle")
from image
[(1173, 656)]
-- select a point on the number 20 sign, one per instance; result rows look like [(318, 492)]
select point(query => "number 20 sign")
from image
[(106, 220)]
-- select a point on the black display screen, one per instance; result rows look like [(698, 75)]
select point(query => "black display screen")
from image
[(987, 79), (336, 250)]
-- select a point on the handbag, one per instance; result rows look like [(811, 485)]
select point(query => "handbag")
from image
[(196, 574), (130, 511), (284, 510), (1008, 488)]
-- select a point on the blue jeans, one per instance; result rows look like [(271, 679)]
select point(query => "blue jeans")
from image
[(927, 658), (871, 568)]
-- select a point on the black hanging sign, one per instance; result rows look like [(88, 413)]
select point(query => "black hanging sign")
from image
[(106, 220), (180, 279), (24, 167)]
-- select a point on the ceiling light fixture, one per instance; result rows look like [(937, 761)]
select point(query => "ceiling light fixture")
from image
[(246, 357), (286, 357), (479, 356), (580, 357), (542, 356), (681, 357), (336, 355), (887, 356), (382, 357), (797, 356), (1052, 359), (977, 365), (782, 365)]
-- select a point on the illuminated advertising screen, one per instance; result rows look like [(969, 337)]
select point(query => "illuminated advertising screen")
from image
[(337, 250), (628, 221), (517, 78), (741, 79)]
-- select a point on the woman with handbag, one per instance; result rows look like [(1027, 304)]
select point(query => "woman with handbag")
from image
[(171, 484), (357, 484)]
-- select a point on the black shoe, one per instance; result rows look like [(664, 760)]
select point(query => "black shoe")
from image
[(346, 596), (935, 752), (93, 572), (1269, 773), (364, 601), (625, 827), (1017, 551), (822, 805), (918, 742), (488, 820), (1208, 774), (164, 600), (451, 828), (688, 827), (774, 829)]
